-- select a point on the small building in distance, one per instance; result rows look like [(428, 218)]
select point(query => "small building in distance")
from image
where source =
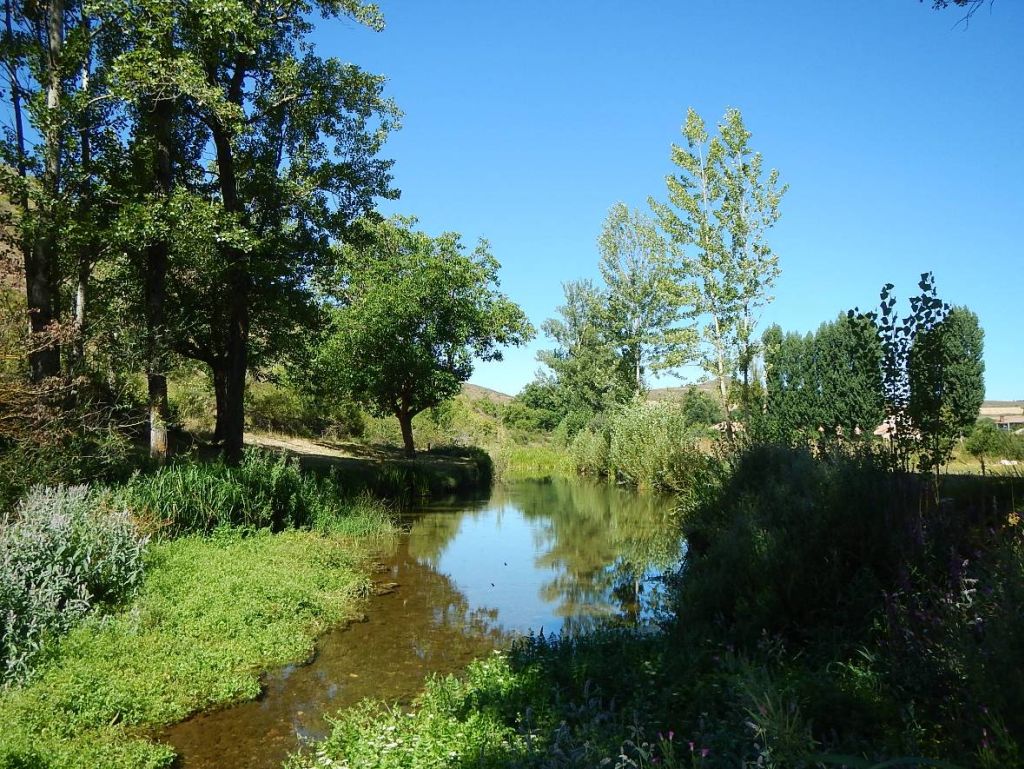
[(1008, 416)]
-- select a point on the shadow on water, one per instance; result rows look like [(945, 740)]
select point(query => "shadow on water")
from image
[(467, 577)]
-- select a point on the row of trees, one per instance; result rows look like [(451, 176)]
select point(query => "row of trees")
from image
[(685, 285), (922, 374), (829, 379), (175, 177)]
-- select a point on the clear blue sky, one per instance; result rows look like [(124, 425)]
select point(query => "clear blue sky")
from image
[(900, 134)]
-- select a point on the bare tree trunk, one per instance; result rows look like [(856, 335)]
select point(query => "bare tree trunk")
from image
[(723, 388), (85, 256), (41, 277), (220, 384)]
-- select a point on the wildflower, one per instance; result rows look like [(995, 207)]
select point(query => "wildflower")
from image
[(671, 734), (704, 752), (1013, 519), (691, 746)]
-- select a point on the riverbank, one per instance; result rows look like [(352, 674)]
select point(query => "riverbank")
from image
[(828, 613), (246, 568), (466, 577)]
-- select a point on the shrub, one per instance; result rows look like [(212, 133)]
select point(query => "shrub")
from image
[(589, 450), (651, 445), (267, 491), (788, 542), (64, 551)]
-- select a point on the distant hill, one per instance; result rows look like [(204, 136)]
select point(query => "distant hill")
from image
[(676, 393), (474, 392), (995, 409)]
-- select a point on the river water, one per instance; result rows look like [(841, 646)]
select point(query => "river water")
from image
[(535, 556)]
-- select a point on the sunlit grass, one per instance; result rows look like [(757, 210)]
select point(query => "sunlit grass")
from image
[(213, 613)]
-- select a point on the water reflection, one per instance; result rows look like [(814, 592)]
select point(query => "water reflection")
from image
[(554, 555)]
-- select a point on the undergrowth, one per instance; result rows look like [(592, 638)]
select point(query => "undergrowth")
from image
[(212, 614)]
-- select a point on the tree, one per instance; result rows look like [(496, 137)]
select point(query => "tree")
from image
[(641, 309), (700, 408), (721, 204), (896, 336), (293, 138), (848, 372), (947, 383), (413, 313), (985, 441), (971, 6), (585, 366), (538, 406)]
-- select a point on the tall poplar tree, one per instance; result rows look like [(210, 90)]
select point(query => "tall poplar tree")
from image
[(721, 203)]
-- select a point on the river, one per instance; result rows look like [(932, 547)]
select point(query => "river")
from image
[(546, 556)]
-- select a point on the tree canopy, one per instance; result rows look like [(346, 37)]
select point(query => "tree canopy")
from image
[(411, 313)]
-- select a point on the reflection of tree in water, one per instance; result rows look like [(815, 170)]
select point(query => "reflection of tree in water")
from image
[(605, 544), (602, 543)]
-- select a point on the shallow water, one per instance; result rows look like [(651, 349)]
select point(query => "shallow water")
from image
[(467, 578)]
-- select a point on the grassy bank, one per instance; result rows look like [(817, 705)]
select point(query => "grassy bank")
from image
[(829, 613), (262, 560)]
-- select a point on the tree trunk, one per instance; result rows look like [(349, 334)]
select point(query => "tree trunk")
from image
[(722, 373), (81, 297), (159, 415), (220, 384), (157, 353), (85, 256), (238, 310), (41, 277), (405, 420)]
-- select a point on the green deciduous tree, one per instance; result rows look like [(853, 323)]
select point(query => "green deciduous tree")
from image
[(641, 306), (584, 363), (947, 383), (413, 313), (985, 441), (721, 203)]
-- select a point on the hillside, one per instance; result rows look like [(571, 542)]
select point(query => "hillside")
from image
[(474, 392), (676, 393)]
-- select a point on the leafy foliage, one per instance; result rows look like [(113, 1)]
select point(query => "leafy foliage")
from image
[(63, 552), (830, 379), (415, 312), (947, 383), (641, 307), (721, 204)]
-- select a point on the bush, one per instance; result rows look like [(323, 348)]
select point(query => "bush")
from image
[(267, 491), (282, 408), (64, 551), (651, 445), (788, 542)]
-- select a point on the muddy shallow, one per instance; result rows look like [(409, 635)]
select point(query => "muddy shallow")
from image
[(466, 579)]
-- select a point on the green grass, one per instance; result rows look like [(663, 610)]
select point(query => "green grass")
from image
[(534, 460), (212, 614)]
